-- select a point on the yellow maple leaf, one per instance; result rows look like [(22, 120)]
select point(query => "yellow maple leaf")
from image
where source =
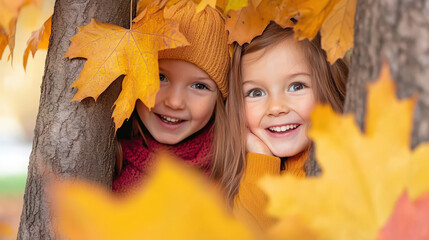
[(175, 203), (337, 30), (418, 183), (245, 24), (363, 174), (38, 40), (112, 51), (310, 15)]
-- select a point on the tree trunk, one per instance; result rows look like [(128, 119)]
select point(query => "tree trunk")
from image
[(72, 139), (395, 32)]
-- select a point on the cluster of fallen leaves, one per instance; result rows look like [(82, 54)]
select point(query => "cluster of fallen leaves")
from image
[(334, 19), (372, 187)]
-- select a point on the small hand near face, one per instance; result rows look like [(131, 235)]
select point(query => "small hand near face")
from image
[(256, 145)]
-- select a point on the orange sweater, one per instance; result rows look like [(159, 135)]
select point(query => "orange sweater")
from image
[(250, 203)]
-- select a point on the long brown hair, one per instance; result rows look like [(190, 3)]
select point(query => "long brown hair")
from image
[(329, 81)]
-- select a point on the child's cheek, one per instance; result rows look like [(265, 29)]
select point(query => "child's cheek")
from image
[(253, 115), (307, 107)]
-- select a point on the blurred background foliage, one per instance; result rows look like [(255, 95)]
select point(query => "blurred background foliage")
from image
[(19, 101)]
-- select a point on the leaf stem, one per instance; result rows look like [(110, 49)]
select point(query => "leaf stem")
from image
[(131, 14)]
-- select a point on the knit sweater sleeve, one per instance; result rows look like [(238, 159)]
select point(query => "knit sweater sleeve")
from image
[(250, 203)]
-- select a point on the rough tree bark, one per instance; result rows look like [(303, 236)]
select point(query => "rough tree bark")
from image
[(72, 139), (397, 32)]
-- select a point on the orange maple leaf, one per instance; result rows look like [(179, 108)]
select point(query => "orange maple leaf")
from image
[(410, 220), (337, 30), (310, 15), (38, 40), (245, 24), (112, 51)]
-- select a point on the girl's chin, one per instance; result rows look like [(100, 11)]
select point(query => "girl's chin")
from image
[(279, 152), (168, 140)]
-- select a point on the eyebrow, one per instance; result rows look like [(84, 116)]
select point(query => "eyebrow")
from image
[(288, 76), (196, 78), (203, 78), (300, 73)]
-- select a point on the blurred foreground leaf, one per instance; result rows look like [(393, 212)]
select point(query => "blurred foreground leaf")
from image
[(175, 203)]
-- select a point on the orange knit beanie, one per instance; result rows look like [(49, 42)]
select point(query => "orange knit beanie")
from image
[(208, 49)]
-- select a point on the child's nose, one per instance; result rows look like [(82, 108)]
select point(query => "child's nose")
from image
[(174, 99), (277, 106)]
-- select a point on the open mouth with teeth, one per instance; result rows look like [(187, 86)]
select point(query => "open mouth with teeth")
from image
[(283, 129), (169, 120)]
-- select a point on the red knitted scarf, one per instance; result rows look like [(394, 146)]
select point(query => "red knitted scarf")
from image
[(194, 150)]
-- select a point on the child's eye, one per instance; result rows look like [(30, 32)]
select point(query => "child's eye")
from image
[(200, 86), (256, 93), (296, 87), (162, 78)]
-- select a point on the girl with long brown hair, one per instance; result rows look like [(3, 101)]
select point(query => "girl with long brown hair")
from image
[(275, 83), (188, 118)]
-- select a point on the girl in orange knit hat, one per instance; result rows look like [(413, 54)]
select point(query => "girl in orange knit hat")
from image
[(275, 83), (189, 116)]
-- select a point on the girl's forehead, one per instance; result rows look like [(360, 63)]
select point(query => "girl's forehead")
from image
[(285, 53), (180, 67), (287, 43)]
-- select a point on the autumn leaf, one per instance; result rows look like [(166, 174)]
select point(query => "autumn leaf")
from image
[(409, 220), (310, 15), (236, 5), (224, 5), (112, 51), (363, 174), (9, 11), (7, 38), (418, 183), (6, 231), (38, 40), (141, 5), (245, 24), (337, 30), (4, 41), (175, 203), (204, 3), (11, 40)]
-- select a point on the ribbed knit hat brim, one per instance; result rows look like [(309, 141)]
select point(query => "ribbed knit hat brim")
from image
[(208, 49)]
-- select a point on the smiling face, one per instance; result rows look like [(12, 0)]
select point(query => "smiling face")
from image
[(278, 97), (184, 103)]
